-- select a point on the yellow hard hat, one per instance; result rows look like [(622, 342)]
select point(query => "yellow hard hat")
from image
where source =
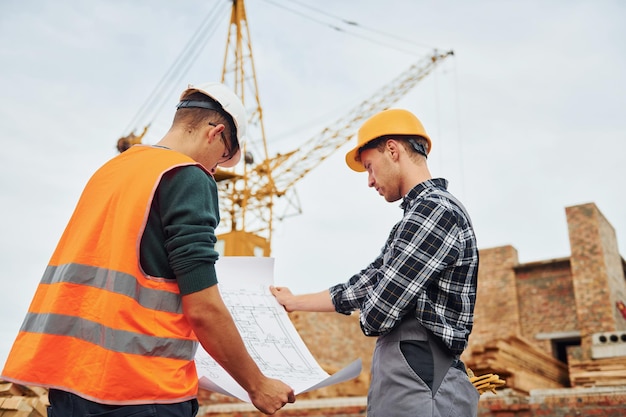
[(386, 123)]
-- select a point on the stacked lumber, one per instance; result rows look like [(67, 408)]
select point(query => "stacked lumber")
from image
[(20, 401), (524, 366), (604, 372)]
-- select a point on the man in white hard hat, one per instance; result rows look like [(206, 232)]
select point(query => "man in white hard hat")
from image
[(131, 287), (418, 295)]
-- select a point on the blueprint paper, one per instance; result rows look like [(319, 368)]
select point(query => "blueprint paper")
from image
[(269, 335)]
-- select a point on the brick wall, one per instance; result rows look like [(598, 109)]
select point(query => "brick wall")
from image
[(497, 308), (615, 268), (587, 402), (335, 407), (335, 340), (546, 300), (597, 274)]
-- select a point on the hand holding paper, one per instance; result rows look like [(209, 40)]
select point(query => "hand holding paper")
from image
[(269, 335)]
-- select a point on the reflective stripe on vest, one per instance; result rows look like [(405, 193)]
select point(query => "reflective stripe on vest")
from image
[(97, 325), (113, 281), (116, 340)]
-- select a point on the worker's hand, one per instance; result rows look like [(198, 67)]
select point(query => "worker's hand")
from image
[(272, 395), (284, 296)]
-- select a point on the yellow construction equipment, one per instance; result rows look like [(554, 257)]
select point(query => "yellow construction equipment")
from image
[(253, 193), (131, 139)]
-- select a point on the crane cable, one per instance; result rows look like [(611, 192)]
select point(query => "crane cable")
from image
[(351, 24), (161, 94)]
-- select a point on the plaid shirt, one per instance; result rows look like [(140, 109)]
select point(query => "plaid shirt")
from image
[(428, 267)]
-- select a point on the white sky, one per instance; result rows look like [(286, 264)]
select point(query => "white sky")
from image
[(526, 118)]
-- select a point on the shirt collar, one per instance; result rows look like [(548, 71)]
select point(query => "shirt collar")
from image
[(422, 189)]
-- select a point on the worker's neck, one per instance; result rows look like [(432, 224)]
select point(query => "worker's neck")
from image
[(417, 174), (173, 140)]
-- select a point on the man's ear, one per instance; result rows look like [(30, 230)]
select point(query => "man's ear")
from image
[(393, 147), (214, 132)]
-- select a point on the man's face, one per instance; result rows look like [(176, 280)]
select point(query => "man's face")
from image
[(382, 173)]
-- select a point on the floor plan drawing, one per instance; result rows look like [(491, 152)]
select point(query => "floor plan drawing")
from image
[(269, 335)]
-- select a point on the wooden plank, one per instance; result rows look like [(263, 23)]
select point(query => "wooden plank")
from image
[(9, 389)]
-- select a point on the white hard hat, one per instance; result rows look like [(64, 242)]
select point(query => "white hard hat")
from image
[(231, 104)]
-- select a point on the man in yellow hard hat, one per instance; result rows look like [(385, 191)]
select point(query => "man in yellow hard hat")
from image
[(131, 288), (418, 295)]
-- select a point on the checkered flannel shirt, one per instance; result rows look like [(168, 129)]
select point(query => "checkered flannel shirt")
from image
[(428, 267)]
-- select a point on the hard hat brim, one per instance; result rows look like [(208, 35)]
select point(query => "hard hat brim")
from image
[(351, 160), (232, 161)]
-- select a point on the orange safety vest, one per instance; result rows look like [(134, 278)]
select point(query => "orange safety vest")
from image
[(98, 326)]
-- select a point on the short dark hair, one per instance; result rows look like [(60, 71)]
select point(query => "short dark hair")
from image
[(406, 140), (193, 113), (194, 116)]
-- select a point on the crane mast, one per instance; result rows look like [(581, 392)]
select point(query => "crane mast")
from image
[(248, 227)]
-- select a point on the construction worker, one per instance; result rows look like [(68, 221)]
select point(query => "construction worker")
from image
[(131, 287), (418, 295)]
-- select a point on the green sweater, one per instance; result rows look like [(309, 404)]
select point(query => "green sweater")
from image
[(179, 239)]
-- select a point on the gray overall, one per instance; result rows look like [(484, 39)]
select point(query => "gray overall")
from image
[(414, 375)]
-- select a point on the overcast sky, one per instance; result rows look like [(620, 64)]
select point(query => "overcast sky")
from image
[(526, 119)]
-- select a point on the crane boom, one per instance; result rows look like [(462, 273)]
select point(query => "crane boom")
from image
[(313, 152), (251, 198)]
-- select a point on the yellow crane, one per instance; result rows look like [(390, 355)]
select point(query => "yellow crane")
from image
[(250, 195)]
